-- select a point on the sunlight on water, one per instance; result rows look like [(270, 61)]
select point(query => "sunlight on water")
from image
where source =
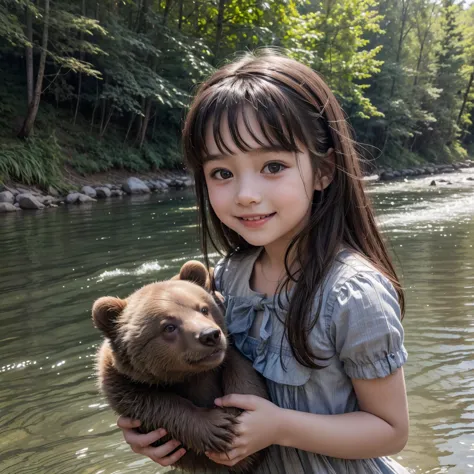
[(54, 265), (144, 269)]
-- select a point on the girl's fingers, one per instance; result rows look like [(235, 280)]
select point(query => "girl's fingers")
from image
[(161, 454), (139, 441), (127, 423), (228, 457)]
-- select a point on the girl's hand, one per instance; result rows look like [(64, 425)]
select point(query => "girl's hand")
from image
[(140, 443), (258, 427)]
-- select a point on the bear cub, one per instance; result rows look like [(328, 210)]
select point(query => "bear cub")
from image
[(166, 357)]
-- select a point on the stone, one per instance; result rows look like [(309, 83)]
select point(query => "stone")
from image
[(7, 196), (470, 178), (53, 192), (72, 198), (116, 193), (28, 201), (84, 198), (433, 183), (135, 186), (103, 192), (8, 207), (89, 191), (48, 200), (386, 176)]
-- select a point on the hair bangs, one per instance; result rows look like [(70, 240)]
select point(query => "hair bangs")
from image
[(227, 108)]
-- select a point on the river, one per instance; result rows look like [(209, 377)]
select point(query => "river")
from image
[(55, 262)]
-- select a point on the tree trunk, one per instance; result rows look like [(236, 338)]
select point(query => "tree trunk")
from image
[(220, 24), (33, 107), (81, 56), (130, 123), (466, 95), (166, 13), (146, 119), (402, 36), (29, 56), (180, 21), (95, 104)]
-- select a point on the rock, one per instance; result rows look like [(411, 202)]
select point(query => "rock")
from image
[(151, 184), (470, 178), (116, 193), (48, 200), (433, 183), (84, 198), (7, 196), (109, 186), (17, 206), (386, 176), (89, 191), (447, 170), (78, 198), (53, 192), (442, 180), (72, 198), (8, 207), (135, 186), (103, 192), (161, 184), (28, 201)]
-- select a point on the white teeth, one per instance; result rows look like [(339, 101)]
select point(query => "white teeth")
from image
[(255, 218)]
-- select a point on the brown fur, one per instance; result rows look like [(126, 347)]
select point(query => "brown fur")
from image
[(166, 358)]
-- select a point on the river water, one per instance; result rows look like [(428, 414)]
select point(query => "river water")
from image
[(54, 263)]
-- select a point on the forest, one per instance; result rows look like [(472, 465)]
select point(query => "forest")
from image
[(96, 85)]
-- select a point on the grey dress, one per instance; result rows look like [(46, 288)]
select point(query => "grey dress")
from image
[(359, 330)]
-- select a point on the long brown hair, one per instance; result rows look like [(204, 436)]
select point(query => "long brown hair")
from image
[(292, 104)]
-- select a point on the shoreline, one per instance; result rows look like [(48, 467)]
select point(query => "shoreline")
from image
[(16, 197)]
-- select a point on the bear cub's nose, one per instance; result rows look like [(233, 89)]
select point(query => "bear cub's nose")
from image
[(210, 337)]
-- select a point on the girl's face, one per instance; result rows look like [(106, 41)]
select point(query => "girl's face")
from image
[(264, 194)]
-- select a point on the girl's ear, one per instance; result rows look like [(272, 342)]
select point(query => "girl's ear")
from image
[(325, 174)]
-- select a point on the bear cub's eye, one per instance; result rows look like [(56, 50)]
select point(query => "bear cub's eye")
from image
[(204, 310), (169, 328)]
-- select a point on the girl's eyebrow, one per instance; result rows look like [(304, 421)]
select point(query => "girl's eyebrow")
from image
[(258, 150)]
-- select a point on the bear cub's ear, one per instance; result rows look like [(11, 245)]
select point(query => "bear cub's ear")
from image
[(195, 272), (105, 312)]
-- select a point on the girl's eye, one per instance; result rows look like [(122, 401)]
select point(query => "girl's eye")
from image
[(169, 328), (274, 168), (221, 174)]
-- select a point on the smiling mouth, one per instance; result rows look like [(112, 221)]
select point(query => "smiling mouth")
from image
[(256, 218)]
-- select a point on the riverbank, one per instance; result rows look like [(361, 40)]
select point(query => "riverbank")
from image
[(115, 184)]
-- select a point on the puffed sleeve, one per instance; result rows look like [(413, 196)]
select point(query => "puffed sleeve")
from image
[(365, 327)]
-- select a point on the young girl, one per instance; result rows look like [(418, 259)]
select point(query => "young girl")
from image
[(312, 298)]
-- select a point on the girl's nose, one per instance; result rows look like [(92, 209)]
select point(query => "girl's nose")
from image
[(247, 194)]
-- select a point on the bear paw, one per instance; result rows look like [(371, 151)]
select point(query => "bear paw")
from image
[(214, 431)]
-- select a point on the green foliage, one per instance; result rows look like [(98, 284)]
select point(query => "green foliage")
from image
[(34, 161), (119, 75)]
